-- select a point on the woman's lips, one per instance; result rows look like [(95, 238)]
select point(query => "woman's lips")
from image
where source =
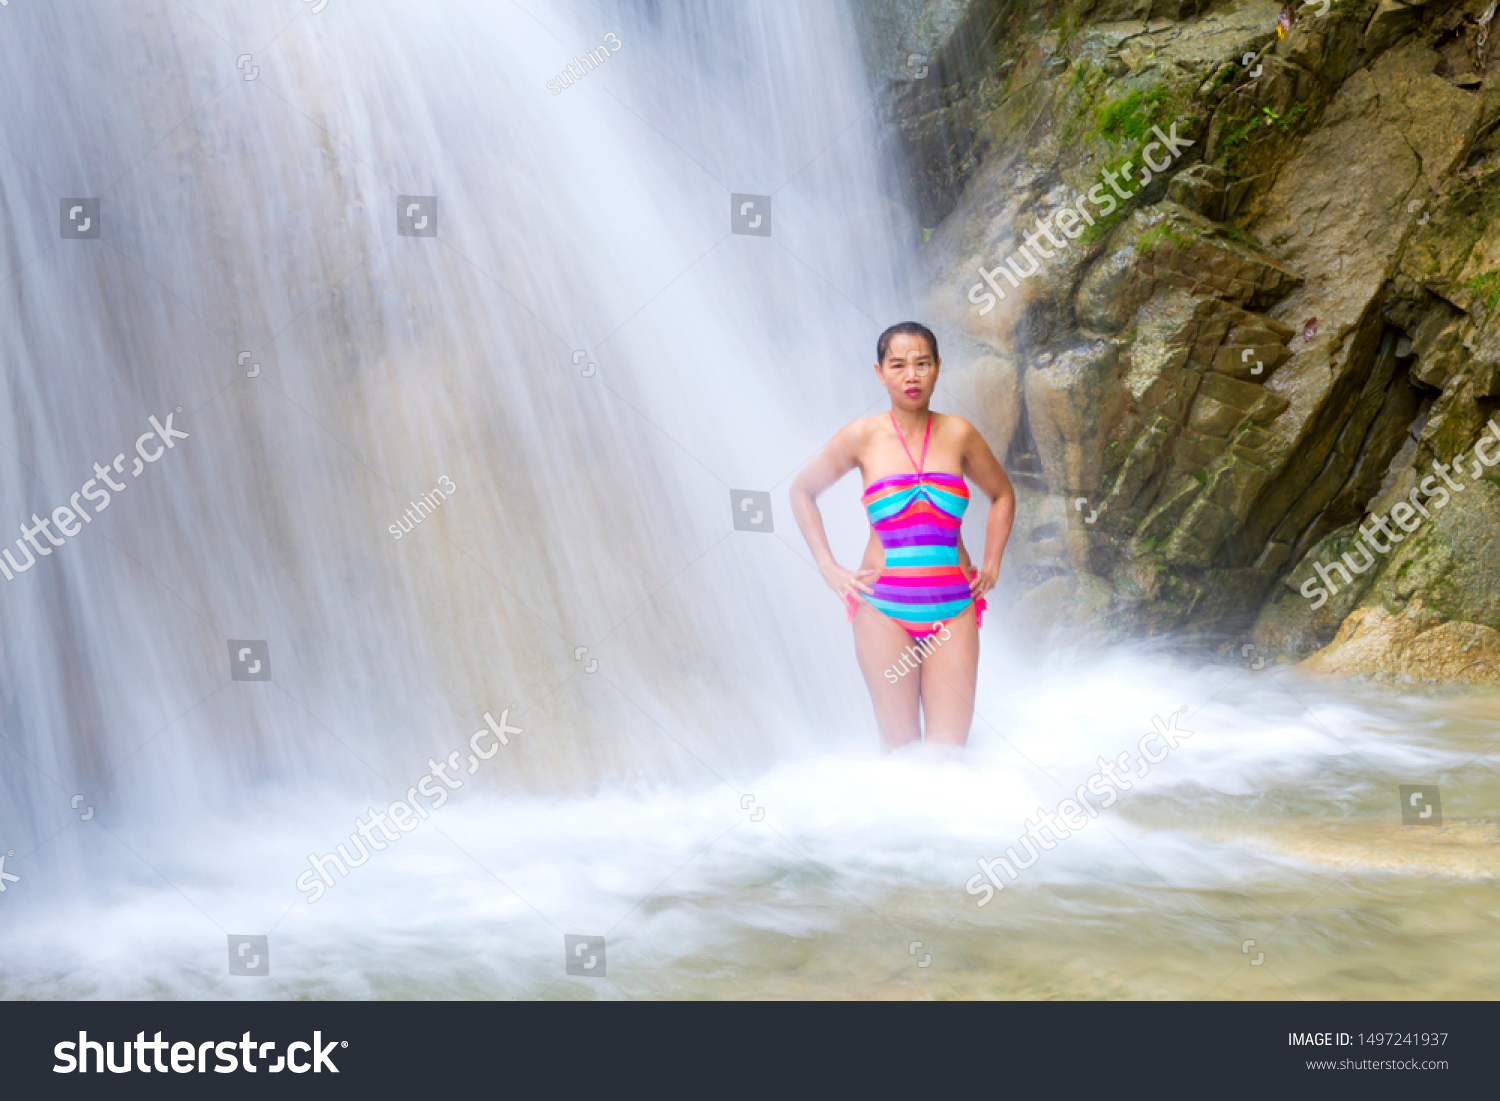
[(913, 391)]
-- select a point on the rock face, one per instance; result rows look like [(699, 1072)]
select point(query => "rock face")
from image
[(1411, 644), (1276, 336)]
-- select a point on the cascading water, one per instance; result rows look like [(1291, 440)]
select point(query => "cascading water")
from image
[(579, 344)]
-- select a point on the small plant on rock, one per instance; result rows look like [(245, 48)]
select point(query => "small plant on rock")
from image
[(1486, 289)]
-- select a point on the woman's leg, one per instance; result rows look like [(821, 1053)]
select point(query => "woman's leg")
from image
[(949, 675), (880, 644)]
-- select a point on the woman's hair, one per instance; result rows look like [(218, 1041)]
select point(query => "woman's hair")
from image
[(909, 328)]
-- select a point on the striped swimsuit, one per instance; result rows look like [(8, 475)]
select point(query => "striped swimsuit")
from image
[(917, 517)]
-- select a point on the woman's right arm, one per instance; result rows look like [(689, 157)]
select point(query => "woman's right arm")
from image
[(840, 456)]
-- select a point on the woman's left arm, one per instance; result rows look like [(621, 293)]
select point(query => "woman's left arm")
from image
[(984, 470)]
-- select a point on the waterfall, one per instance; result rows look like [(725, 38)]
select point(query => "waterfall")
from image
[(386, 274), (584, 351)]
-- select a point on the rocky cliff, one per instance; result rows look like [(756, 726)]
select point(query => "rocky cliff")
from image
[(1222, 279)]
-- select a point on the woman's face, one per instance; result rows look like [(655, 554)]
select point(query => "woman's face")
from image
[(909, 371)]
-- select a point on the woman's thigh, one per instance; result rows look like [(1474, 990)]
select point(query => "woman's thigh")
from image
[(949, 675), (890, 674)]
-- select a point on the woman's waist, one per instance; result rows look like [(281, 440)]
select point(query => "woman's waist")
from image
[(924, 583), (919, 571), (924, 555)]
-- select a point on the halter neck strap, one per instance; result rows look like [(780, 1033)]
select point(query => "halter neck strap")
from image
[(925, 439)]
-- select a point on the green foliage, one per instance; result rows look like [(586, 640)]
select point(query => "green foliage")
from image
[(1230, 145), (1083, 85), (1486, 289), (1126, 120), (1202, 477), (1067, 23), (1080, 74), (1267, 117), (1149, 240), (1131, 117), (1223, 77), (1101, 227), (1285, 122)]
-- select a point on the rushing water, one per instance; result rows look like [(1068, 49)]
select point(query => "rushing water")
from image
[(594, 362)]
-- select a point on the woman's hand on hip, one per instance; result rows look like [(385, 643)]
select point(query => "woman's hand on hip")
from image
[(845, 582), (982, 582)]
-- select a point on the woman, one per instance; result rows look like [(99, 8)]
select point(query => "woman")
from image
[(916, 598)]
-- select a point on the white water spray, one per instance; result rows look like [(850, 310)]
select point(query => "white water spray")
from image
[(594, 359)]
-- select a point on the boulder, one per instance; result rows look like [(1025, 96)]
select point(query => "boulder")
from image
[(1072, 399), (1413, 645)]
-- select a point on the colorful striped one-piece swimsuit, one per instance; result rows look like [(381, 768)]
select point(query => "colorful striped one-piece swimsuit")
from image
[(917, 517)]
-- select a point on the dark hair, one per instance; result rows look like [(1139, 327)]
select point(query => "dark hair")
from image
[(907, 328)]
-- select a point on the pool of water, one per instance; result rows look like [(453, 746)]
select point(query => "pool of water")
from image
[(1264, 857)]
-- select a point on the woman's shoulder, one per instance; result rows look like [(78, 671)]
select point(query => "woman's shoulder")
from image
[(952, 425), (858, 431)]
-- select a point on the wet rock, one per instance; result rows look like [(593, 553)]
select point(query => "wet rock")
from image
[(1275, 337), (1333, 496), (1204, 189), (1067, 602), (1437, 344), (1169, 247), (1403, 126), (1415, 642), (1251, 361), (1181, 249), (1102, 302), (1455, 240), (1366, 457), (1255, 403), (989, 387), (1450, 563), (1167, 511), (1145, 460), (1289, 623), (1391, 20), (1455, 420), (932, 59), (1071, 403)]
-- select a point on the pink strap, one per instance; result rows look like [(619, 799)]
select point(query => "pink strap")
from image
[(925, 439)]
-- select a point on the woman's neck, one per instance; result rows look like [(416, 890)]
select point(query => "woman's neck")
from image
[(910, 422)]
